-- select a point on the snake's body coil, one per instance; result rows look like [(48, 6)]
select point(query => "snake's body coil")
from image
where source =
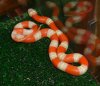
[(57, 54)]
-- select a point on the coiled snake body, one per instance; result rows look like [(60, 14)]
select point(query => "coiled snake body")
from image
[(57, 54)]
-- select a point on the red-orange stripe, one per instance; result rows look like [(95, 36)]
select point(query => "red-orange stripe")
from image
[(25, 24), (72, 70), (19, 30), (54, 37), (29, 39), (40, 19), (69, 58), (83, 60), (55, 61), (35, 28), (52, 49), (62, 37), (61, 49), (53, 26), (44, 32)]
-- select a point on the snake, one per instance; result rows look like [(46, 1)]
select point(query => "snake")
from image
[(28, 31)]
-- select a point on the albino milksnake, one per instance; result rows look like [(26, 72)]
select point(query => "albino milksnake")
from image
[(57, 54)]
